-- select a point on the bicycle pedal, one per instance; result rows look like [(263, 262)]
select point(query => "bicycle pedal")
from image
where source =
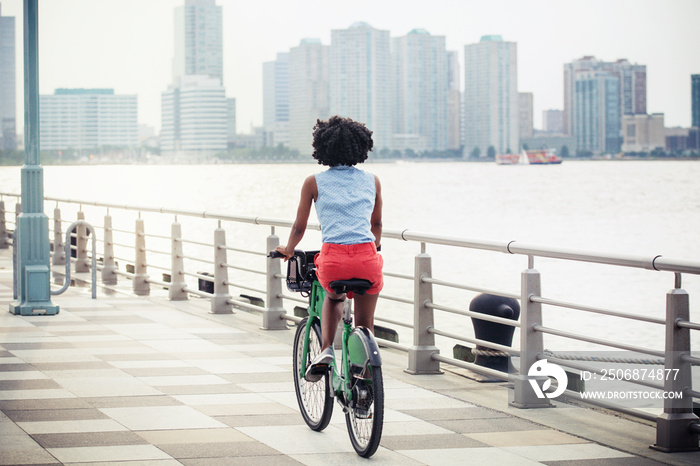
[(316, 372)]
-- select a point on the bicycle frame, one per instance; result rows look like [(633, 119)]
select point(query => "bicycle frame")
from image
[(340, 382)]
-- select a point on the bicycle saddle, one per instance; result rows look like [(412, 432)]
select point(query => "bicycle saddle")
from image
[(354, 285)]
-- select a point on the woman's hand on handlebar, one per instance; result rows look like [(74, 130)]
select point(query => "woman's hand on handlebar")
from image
[(285, 252)]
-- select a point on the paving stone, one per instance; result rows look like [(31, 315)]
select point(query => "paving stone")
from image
[(486, 425), (36, 384), (451, 413), (91, 439), (56, 403), (54, 415), (437, 441), (131, 401)]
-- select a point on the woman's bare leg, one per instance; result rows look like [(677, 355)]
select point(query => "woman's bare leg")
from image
[(331, 314), (365, 306)]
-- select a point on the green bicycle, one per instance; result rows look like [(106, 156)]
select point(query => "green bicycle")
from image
[(356, 381)]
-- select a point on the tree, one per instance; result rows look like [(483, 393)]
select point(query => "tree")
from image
[(564, 151), (475, 153), (491, 152)]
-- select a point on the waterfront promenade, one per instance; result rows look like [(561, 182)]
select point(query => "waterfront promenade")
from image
[(146, 381)]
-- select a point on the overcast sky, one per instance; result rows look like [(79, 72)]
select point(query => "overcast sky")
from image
[(128, 44)]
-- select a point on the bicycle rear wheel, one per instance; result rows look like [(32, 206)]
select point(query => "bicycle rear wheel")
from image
[(365, 415), (314, 398)]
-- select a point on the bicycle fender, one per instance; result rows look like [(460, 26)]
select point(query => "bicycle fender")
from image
[(370, 346)]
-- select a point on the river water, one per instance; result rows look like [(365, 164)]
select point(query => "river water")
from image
[(633, 207)]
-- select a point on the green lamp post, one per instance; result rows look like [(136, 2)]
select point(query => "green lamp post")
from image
[(32, 265)]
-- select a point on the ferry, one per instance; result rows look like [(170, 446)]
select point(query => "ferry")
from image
[(530, 157)]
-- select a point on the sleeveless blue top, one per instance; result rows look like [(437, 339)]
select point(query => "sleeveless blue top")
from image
[(344, 205)]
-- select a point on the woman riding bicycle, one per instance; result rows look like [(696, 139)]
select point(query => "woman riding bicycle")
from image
[(349, 207)]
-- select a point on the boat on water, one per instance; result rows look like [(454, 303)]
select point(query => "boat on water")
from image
[(530, 157)]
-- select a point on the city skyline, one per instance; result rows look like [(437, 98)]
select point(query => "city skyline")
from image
[(130, 47)]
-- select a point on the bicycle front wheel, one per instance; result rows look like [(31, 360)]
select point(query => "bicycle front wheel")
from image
[(365, 414), (314, 398)]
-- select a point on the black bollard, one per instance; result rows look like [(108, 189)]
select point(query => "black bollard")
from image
[(498, 306)]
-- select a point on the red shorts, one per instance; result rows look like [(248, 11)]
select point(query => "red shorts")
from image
[(346, 261)]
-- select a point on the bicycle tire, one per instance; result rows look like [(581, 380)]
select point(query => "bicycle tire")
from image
[(365, 415), (314, 398)]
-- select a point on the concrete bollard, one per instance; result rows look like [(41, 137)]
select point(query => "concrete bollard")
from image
[(4, 244), (272, 316), (109, 267), (420, 354), (497, 306), (673, 431), (82, 264), (59, 253), (176, 291), (220, 301), (141, 285)]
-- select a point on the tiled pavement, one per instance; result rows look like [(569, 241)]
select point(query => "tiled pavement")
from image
[(135, 381)]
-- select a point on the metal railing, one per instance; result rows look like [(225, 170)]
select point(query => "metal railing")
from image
[(677, 426)]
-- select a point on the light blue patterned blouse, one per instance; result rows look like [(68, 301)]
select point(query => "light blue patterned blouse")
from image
[(345, 203)]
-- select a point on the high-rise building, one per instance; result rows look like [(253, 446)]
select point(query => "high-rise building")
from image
[(491, 96), (81, 119), (194, 116), (276, 99), (553, 121), (198, 40), (598, 76), (420, 90), (596, 117), (454, 102), (525, 117), (695, 99), (194, 109), (309, 91), (360, 79), (8, 108)]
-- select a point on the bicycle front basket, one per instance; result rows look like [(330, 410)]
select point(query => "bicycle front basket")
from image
[(298, 277)]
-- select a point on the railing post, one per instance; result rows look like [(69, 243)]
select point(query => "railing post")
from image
[(420, 354), (109, 268), (176, 291), (220, 301), (272, 316), (672, 426), (531, 343), (3, 227), (59, 253), (141, 285), (82, 264)]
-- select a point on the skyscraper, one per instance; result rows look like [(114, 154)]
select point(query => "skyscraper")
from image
[(596, 117), (309, 91), (198, 40), (590, 78), (695, 99), (491, 96), (194, 108), (360, 79), (276, 99), (420, 90), (454, 102), (8, 109)]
